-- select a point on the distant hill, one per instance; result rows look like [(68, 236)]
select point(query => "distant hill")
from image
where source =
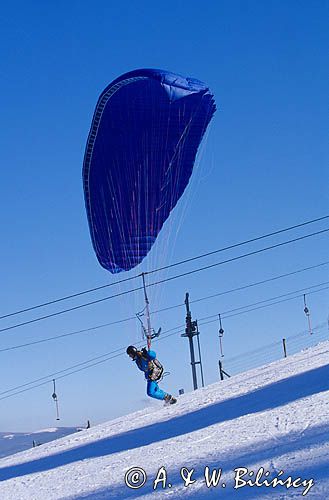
[(14, 442)]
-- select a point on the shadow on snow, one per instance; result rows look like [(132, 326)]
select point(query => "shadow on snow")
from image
[(266, 452), (265, 398)]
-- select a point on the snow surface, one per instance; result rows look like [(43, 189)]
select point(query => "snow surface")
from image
[(275, 417)]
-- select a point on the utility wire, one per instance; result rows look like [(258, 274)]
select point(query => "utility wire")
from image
[(133, 318), (235, 245), (255, 252)]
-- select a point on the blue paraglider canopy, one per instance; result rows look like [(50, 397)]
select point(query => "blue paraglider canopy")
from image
[(140, 152)]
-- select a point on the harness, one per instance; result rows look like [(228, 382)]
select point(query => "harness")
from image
[(154, 368)]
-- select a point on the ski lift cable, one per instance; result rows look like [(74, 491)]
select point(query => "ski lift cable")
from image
[(243, 287), (48, 378), (118, 352), (230, 247), (65, 335), (76, 371), (80, 366), (233, 259), (255, 355), (227, 314), (258, 307), (101, 287), (69, 310), (279, 296), (249, 285)]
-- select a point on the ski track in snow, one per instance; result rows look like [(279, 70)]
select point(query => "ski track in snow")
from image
[(275, 417)]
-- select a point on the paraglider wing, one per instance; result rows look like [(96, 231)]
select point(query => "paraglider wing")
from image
[(140, 152)]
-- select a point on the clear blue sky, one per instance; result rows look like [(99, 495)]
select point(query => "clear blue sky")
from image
[(264, 166)]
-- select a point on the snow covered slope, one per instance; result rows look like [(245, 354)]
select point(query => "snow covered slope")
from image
[(13, 442), (268, 420)]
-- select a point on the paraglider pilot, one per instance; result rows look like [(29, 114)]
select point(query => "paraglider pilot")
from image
[(153, 370)]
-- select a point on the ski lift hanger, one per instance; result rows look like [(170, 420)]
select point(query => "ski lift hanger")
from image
[(54, 396), (148, 332)]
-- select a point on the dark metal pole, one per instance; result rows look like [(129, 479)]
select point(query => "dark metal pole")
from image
[(284, 347), (190, 332), (220, 370), (200, 360)]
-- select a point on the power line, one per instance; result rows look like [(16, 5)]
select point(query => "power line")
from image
[(94, 289), (233, 259)]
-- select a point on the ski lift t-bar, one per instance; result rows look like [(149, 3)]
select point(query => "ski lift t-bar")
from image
[(148, 318), (54, 396)]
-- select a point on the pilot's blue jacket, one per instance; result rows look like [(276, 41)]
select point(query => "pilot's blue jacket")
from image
[(153, 390), (143, 361)]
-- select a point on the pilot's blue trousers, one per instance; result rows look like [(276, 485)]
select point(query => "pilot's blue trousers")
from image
[(154, 391)]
